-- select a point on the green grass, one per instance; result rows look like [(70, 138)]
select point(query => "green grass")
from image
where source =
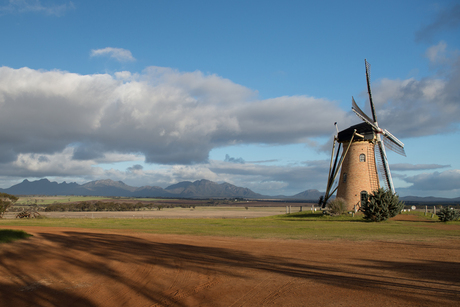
[(47, 200), (9, 235), (298, 226)]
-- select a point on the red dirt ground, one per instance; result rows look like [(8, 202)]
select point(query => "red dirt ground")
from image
[(85, 267)]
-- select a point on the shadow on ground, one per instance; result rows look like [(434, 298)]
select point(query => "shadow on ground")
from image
[(93, 253)]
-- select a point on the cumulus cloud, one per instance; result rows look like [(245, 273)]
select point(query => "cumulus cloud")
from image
[(136, 169), (62, 164), (119, 54), (166, 115), (233, 160), (413, 108), (436, 53), (35, 6), (448, 180)]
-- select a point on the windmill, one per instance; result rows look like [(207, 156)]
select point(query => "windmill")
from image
[(363, 150)]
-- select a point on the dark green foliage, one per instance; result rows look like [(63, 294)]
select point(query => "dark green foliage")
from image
[(381, 206), (337, 206), (106, 206), (9, 235), (447, 214), (6, 201)]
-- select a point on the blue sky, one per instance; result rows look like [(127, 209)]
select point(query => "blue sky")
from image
[(247, 92)]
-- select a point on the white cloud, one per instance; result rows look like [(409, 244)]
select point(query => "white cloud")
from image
[(62, 164), (434, 53), (168, 116), (35, 6), (448, 180), (120, 54), (412, 108)]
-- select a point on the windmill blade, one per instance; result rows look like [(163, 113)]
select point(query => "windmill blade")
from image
[(365, 119), (394, 147), (392, 143), (386, 168), (368, 77), (380, 167), (357, 109), (394, 139)]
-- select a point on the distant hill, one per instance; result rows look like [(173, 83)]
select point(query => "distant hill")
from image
[(186, 189), (44, 187), (198, 189), (308, 194), (205, 189)]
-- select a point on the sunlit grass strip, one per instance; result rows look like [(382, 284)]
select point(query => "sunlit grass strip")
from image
[(9, 235), (46, 200), (295, 226)]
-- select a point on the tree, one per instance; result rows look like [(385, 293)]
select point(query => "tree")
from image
[(381, 205), (6, 201), (448, 214)]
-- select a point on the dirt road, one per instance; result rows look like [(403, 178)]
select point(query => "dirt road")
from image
[(83, 267)]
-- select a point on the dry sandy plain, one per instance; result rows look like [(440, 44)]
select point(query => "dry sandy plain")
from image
[(87, 267)]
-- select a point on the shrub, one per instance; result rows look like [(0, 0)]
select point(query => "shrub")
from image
[(381, 206), (337, 206), (6, 201), (447, 214)]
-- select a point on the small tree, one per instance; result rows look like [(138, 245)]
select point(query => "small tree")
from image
[(381, 206), (6, 201), (448, 214), (337, 206)]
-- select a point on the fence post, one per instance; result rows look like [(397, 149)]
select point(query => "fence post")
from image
[(300, 209), (286, 209), (426, 210)]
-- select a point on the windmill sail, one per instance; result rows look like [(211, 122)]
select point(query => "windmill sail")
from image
[(391, 145), (386, 166), (388, 139), (357, 110), (368, 77), (380, 167)]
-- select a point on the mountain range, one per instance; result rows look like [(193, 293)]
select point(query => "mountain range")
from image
[(186, 189)]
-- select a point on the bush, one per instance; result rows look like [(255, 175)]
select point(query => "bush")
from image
[(6, 201), (381, 206), (447, 214), (337, 206)]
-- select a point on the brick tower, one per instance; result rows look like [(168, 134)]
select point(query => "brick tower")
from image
[(358, 175)]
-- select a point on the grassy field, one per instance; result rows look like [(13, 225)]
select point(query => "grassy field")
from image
[(297, 226), (47, 200)]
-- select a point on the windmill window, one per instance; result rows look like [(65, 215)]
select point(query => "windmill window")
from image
[(362, 158), (344, 177)]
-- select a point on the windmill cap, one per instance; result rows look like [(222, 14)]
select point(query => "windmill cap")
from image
[(364, 129)]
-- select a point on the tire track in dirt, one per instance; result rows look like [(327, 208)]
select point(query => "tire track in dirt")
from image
[(257, 295), (280, 292), (180, 288), (252, 293)]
